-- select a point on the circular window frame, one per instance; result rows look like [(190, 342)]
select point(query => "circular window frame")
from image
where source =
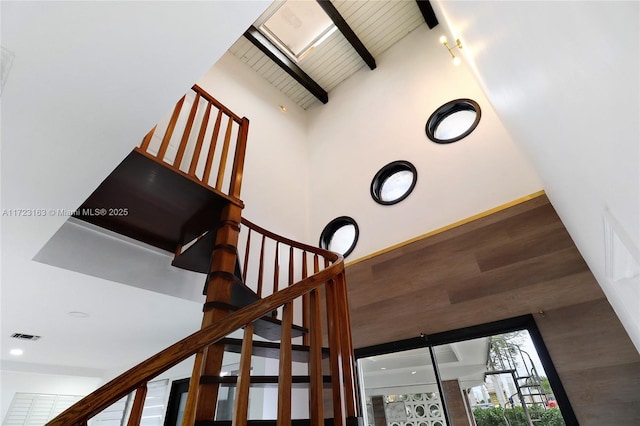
[(332, 227), (446, 110), (385, 173)]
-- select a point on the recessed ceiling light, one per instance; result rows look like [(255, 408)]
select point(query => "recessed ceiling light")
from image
[(78, 314), (16, 352), (24, 336), (413, 372), (383, 368)]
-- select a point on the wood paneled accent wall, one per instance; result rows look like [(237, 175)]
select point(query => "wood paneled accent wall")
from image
[(518, 261)]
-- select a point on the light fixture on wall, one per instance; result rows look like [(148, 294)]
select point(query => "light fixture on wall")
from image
[(456, 60)]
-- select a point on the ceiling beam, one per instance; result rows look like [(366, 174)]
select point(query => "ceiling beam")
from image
[(428, 13), (276, 55), (347, 32)]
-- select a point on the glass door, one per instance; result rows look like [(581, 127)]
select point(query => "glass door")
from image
[(401, 389), (498, 378), (491, 374)]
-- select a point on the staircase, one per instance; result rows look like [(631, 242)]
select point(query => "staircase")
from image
[(510, 358), (180, 191)]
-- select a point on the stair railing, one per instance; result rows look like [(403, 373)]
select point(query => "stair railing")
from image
[(270, 262), (196, 139), (326, 280)]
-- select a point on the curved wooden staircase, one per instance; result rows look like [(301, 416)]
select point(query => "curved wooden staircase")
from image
[(171, 192)]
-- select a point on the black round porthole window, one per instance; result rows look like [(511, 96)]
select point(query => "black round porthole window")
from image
[(340, 235), (453, 121), (394, 182)]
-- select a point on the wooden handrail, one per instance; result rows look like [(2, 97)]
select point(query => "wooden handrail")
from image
[(139, 375), (329, 255), (215, 102)]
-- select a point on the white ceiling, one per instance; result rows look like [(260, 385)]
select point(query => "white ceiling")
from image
[(463, 361), (76, 101), (88, 80)]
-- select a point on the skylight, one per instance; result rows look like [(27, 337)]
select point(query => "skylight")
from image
[(297, 27)]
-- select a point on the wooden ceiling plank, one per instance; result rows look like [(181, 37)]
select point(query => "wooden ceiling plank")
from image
[(348, 8), (348, 33), (392, 37), (262, 43), (335, 62), (347, 70)]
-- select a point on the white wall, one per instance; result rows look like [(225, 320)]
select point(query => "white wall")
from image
[(379, 116), (275, 181), (88, 80), (13, 381), (564, 77)]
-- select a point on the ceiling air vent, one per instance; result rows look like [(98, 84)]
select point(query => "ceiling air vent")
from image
[(25, 336)]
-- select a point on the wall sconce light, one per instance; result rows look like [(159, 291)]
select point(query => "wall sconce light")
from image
[(456, 60)]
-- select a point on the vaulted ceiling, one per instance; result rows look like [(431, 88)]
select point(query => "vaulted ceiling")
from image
[(365, 30)]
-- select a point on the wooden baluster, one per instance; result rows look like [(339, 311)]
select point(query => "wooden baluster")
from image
[(291, 266), (346, 345), (189, 416), (147, 139), (224, 155), (305, 301), (138, 406), (246, 257), (316, 400), (290, 277), (187, 131), (172, 125), (276, 268), (335, 353), (285, 375), (241, 403), (238, 162), (198, 148), (261, 268), (212, 149)]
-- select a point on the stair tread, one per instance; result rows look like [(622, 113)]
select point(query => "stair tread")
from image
[(163, 208), (350, 421), (268, 327), (294, 422), (300, 353), (197, 257), (263, 381), (271, 329)]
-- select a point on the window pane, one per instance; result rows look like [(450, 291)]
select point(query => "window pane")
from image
[(343, 239), (499, 376), (396, 185), (400, 388), (455, 125)]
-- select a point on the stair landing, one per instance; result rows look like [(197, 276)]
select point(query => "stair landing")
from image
[(150, 202)]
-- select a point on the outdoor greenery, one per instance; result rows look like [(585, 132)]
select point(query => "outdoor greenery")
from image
[(515, 416)]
